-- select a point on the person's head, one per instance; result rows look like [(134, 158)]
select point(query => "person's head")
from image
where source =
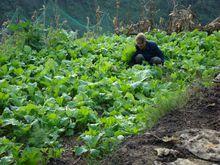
[(141, 41)]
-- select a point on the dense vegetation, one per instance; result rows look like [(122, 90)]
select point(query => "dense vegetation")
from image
[(53, 85), (129, 10)]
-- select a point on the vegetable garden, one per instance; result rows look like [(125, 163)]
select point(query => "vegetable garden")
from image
[(54, 85)]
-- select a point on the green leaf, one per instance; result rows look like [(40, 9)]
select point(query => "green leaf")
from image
[(6, 160), (52, 116), (69, 132), (80, 150), (3, 69), (13, 122), (94, 152)]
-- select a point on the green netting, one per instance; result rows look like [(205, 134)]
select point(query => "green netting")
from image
[(74, 14), (81, 16), (19, 15), (53, 15)]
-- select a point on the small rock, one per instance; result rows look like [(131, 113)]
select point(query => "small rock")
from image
[(124, 150), (161, 152), (217, 79), (203, 143), (181, 161), (170, 139)]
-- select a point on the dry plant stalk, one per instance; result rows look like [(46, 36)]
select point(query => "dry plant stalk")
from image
[(133, 29), (182, 19), (98, 15), (212, 26), (116, 18), (116, 25)]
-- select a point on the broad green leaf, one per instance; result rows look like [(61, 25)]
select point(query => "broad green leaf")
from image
[(80, 150)]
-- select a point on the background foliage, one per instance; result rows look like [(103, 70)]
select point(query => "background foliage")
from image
[(77, 11)]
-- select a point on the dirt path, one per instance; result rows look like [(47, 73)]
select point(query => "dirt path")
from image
[(198, 122)]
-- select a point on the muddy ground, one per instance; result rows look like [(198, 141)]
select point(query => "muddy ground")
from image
[(158, 146)]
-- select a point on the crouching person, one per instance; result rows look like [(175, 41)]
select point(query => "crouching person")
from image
[(146, 51)]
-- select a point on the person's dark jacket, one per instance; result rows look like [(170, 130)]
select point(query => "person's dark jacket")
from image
[(150, 51)]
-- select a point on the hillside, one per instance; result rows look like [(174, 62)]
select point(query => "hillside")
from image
[(54, 86)]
